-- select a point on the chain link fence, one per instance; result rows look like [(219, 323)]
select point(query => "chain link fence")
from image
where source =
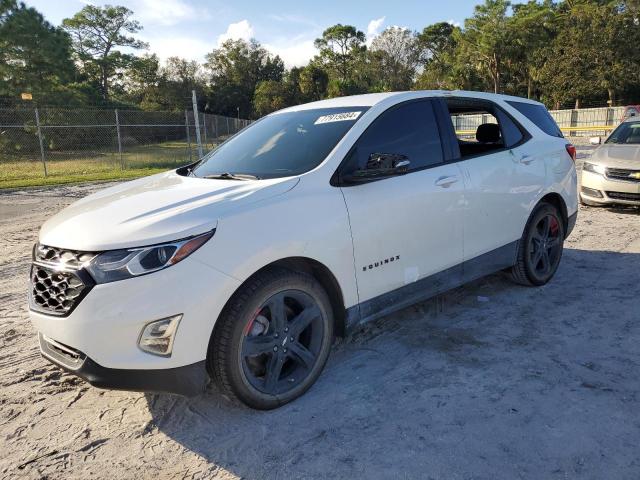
[(79, 142), (41, 144)]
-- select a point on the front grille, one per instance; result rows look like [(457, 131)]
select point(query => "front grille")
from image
[(634, 197), (58, 282), (624, 174)]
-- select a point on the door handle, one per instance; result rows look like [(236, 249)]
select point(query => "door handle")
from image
[(526, 159), (446, 182)]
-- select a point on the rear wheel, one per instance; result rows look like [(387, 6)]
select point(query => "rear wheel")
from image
[(541, 246), (273, 339)]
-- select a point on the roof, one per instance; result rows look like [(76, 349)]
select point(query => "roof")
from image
[(371, 99)]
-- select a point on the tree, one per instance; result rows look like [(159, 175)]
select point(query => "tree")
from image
[(485, 40), (339, 46), (270, 96), (234, 71), (394, 57), (592, 54), (97, 34), (35, 57), (443, 61), (533, 27), (313, 83)]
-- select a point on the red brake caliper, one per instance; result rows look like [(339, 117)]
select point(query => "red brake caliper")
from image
[(553, 226)]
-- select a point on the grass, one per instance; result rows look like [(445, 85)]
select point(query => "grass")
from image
[(73, 167)]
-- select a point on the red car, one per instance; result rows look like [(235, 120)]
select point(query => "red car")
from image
[(630, 111)]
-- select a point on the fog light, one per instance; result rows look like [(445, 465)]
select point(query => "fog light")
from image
[(157, 336), (590, 192)]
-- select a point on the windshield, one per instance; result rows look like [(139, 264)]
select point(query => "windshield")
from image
[(281, 145), (627, 132)]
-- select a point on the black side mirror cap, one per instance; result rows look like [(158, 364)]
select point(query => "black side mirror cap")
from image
[(379, 166)]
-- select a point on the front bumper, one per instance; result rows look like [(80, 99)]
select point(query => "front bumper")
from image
[(189, 380), (106, 325), (599, 189)]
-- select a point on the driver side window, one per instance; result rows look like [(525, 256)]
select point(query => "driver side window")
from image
[(408, 131)]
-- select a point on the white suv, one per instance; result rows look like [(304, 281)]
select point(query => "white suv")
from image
[(317, 218)]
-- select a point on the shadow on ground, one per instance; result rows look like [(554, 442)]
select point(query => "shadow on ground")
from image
[(535, 382)]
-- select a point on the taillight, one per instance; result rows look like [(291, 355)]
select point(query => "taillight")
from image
[(571, 150)]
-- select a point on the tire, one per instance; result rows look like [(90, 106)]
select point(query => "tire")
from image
[(261, 353), (541, 246)]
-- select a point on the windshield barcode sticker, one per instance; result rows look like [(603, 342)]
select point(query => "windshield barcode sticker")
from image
[(337, 117)]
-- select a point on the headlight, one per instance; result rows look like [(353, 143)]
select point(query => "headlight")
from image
[(116, 265), (593, 168)]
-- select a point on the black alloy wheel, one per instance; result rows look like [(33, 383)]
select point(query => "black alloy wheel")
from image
[(545, 245), (541, 246), (282, 342), (272, 339)]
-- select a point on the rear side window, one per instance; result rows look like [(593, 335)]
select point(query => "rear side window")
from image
[(510, 131), (539, 115), (410, 130)]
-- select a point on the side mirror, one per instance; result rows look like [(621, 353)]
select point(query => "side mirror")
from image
[(380, 165), (595, 140)]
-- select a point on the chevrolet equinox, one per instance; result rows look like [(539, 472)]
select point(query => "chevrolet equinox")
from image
[(244, 266)]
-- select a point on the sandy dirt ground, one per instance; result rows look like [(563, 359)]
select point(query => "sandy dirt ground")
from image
[(492, 380)]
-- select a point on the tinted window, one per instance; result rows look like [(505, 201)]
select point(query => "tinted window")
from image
[(627, 132), (511, 134), (539, 115), (409, 129), (281, 145)]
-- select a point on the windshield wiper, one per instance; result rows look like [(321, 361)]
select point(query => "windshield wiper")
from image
[(232, 176)]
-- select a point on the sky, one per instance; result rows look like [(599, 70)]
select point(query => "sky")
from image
[(192, 28)]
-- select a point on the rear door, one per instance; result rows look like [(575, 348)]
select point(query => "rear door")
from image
[(501, 185), (408, 227)]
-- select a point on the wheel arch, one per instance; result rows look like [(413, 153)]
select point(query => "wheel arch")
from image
[(321, 273), (557, 201)]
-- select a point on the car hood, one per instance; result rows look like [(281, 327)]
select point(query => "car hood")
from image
[(155, 209), (618, 156)]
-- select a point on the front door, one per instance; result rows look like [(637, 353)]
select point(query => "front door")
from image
[(408, 227)]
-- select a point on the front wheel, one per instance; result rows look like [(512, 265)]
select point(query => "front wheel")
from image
[(272, 340), (541, 246)]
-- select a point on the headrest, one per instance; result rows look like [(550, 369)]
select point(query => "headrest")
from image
[(488, 133)]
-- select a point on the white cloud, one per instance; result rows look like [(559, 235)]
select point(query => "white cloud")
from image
[(184, 47), (454, 23), (241, 30), (374, 28), (295, 54), (166, 12)]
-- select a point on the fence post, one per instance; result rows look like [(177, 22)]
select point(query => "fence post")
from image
[(204, 130), (574, 122), (610, 120), (196, 122), (228, 131), (119, 140), (186, 124), (44, 161)]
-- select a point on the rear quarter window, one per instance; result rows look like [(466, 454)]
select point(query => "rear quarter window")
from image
[(539, 115)]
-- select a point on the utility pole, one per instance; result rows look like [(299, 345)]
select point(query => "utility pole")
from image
[(197, 123)]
